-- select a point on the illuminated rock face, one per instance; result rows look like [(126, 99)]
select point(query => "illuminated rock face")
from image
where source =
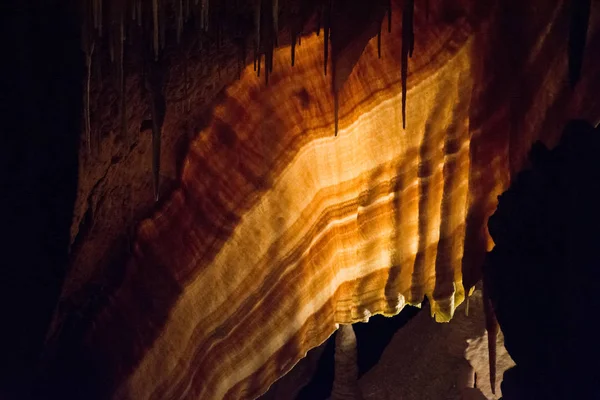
[(281, 231)]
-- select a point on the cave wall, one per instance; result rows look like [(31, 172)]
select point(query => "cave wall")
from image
[(115, 185)]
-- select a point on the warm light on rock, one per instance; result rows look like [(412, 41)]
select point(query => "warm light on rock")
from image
[(280, 231)]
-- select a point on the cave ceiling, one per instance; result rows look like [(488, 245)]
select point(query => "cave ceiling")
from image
[(354, 176)]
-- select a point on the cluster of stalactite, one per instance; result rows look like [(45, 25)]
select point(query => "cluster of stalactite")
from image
[(107, 25)]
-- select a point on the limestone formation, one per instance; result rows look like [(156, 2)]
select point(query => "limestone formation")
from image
[(278, 231)]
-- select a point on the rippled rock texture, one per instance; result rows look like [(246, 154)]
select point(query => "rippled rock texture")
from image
[(279, 231)]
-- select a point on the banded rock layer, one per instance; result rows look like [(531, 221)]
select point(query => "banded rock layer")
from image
[(280, 231)]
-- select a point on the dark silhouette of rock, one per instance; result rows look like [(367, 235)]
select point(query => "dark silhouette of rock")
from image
[(544, 273)]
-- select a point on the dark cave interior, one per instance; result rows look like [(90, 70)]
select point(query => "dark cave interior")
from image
[(42, 115)]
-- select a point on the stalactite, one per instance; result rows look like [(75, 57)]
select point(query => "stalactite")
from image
[(218, 28), (205, 5), (267, 69), (427, 10), (293, 47), (100, 18), (186, 102), (407, 49), (123, 96), (98, 69), (240, 59), (411, 34), (259, 60), (111, 43), (202, 15), (580, 17), (95, 12), (389, 15), (154, 85), (379, 42), (162, 25), (257, 5), (88, 45), (88, 124), (179, 20), (155, 27), (244, 56), (139, 11), (156, 162), (275, 4), (326, 33)]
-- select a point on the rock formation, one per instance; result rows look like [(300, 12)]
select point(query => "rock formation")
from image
[(545, 254), (277, 230)]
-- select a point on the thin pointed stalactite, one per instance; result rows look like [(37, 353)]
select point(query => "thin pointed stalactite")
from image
[(122, 94), (379, 42), (257, 5), (326, 33), (98, 16), (275, 8), (203, 15), (111, 48), (219, 25), (157, 108), (259, 61), (407, 49), (267, 69), (156, 160), (186, 96), (467, 305), (293, 47), (179, 20), (139, 11), (239, 63), (88, 123), (155, 28), (206, 14), (162, 24), (244, 56), (389, 15), (271, 62), (95, 13), (580, 18), (88, 44), (98, 69)]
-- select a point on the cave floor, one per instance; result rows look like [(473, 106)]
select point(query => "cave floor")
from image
[(429, 360)]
